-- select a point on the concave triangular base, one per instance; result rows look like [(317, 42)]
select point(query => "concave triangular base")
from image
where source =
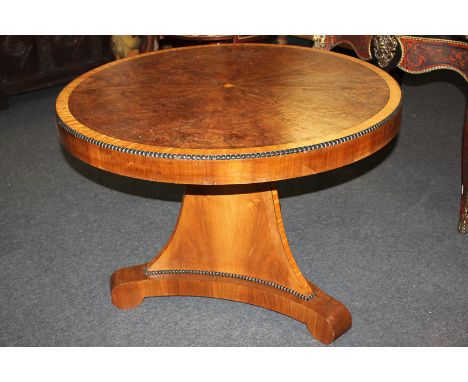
[(230, 242)]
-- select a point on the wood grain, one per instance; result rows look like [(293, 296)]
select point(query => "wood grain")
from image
[(325, 318), (229, 97), (229, 100), (278, 112), (359, 43), (235, 230)]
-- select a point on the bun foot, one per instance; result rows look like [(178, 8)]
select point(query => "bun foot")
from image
[(463, 225), (328, 318), (463, 220), (125, 291)]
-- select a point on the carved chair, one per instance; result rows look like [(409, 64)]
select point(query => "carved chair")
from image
[(414, 55)]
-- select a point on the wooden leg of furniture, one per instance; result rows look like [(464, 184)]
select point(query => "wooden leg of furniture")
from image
[(230, 243), (463, 221)]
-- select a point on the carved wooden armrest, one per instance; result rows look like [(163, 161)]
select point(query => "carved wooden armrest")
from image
[(414, 55), (360, 44), (410, 54), (384, 50), (423, 54)]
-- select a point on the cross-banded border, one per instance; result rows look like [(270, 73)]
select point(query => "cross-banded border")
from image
[(252, 155)]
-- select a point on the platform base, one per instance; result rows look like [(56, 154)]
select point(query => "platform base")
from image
[(325, 317), (230, 243)]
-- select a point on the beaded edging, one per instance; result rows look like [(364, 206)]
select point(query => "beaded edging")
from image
[(231, 275), (252, 155)]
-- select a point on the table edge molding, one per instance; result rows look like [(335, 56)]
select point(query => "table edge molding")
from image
[(235, 156)]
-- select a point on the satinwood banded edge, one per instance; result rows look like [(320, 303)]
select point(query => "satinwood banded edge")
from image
[(242, 171), (244, 165)]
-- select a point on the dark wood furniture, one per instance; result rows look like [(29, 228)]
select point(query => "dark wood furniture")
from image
[(415, 55), (229, 121), (33, 62), (177, 41)]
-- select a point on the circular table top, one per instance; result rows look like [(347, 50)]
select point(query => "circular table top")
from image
[(224, 114)]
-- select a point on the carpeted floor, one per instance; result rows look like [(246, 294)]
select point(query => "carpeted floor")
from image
[(379, 235)]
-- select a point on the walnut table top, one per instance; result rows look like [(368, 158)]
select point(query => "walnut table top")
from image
[(224, 114)]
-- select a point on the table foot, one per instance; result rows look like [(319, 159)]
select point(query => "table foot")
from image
[(463, 220), (230, 243), (325, 318)]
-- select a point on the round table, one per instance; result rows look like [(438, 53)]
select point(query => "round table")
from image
[(229, 121)]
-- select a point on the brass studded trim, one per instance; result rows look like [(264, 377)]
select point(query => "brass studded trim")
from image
[(251, 155), (319, 41), (231, 275)]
